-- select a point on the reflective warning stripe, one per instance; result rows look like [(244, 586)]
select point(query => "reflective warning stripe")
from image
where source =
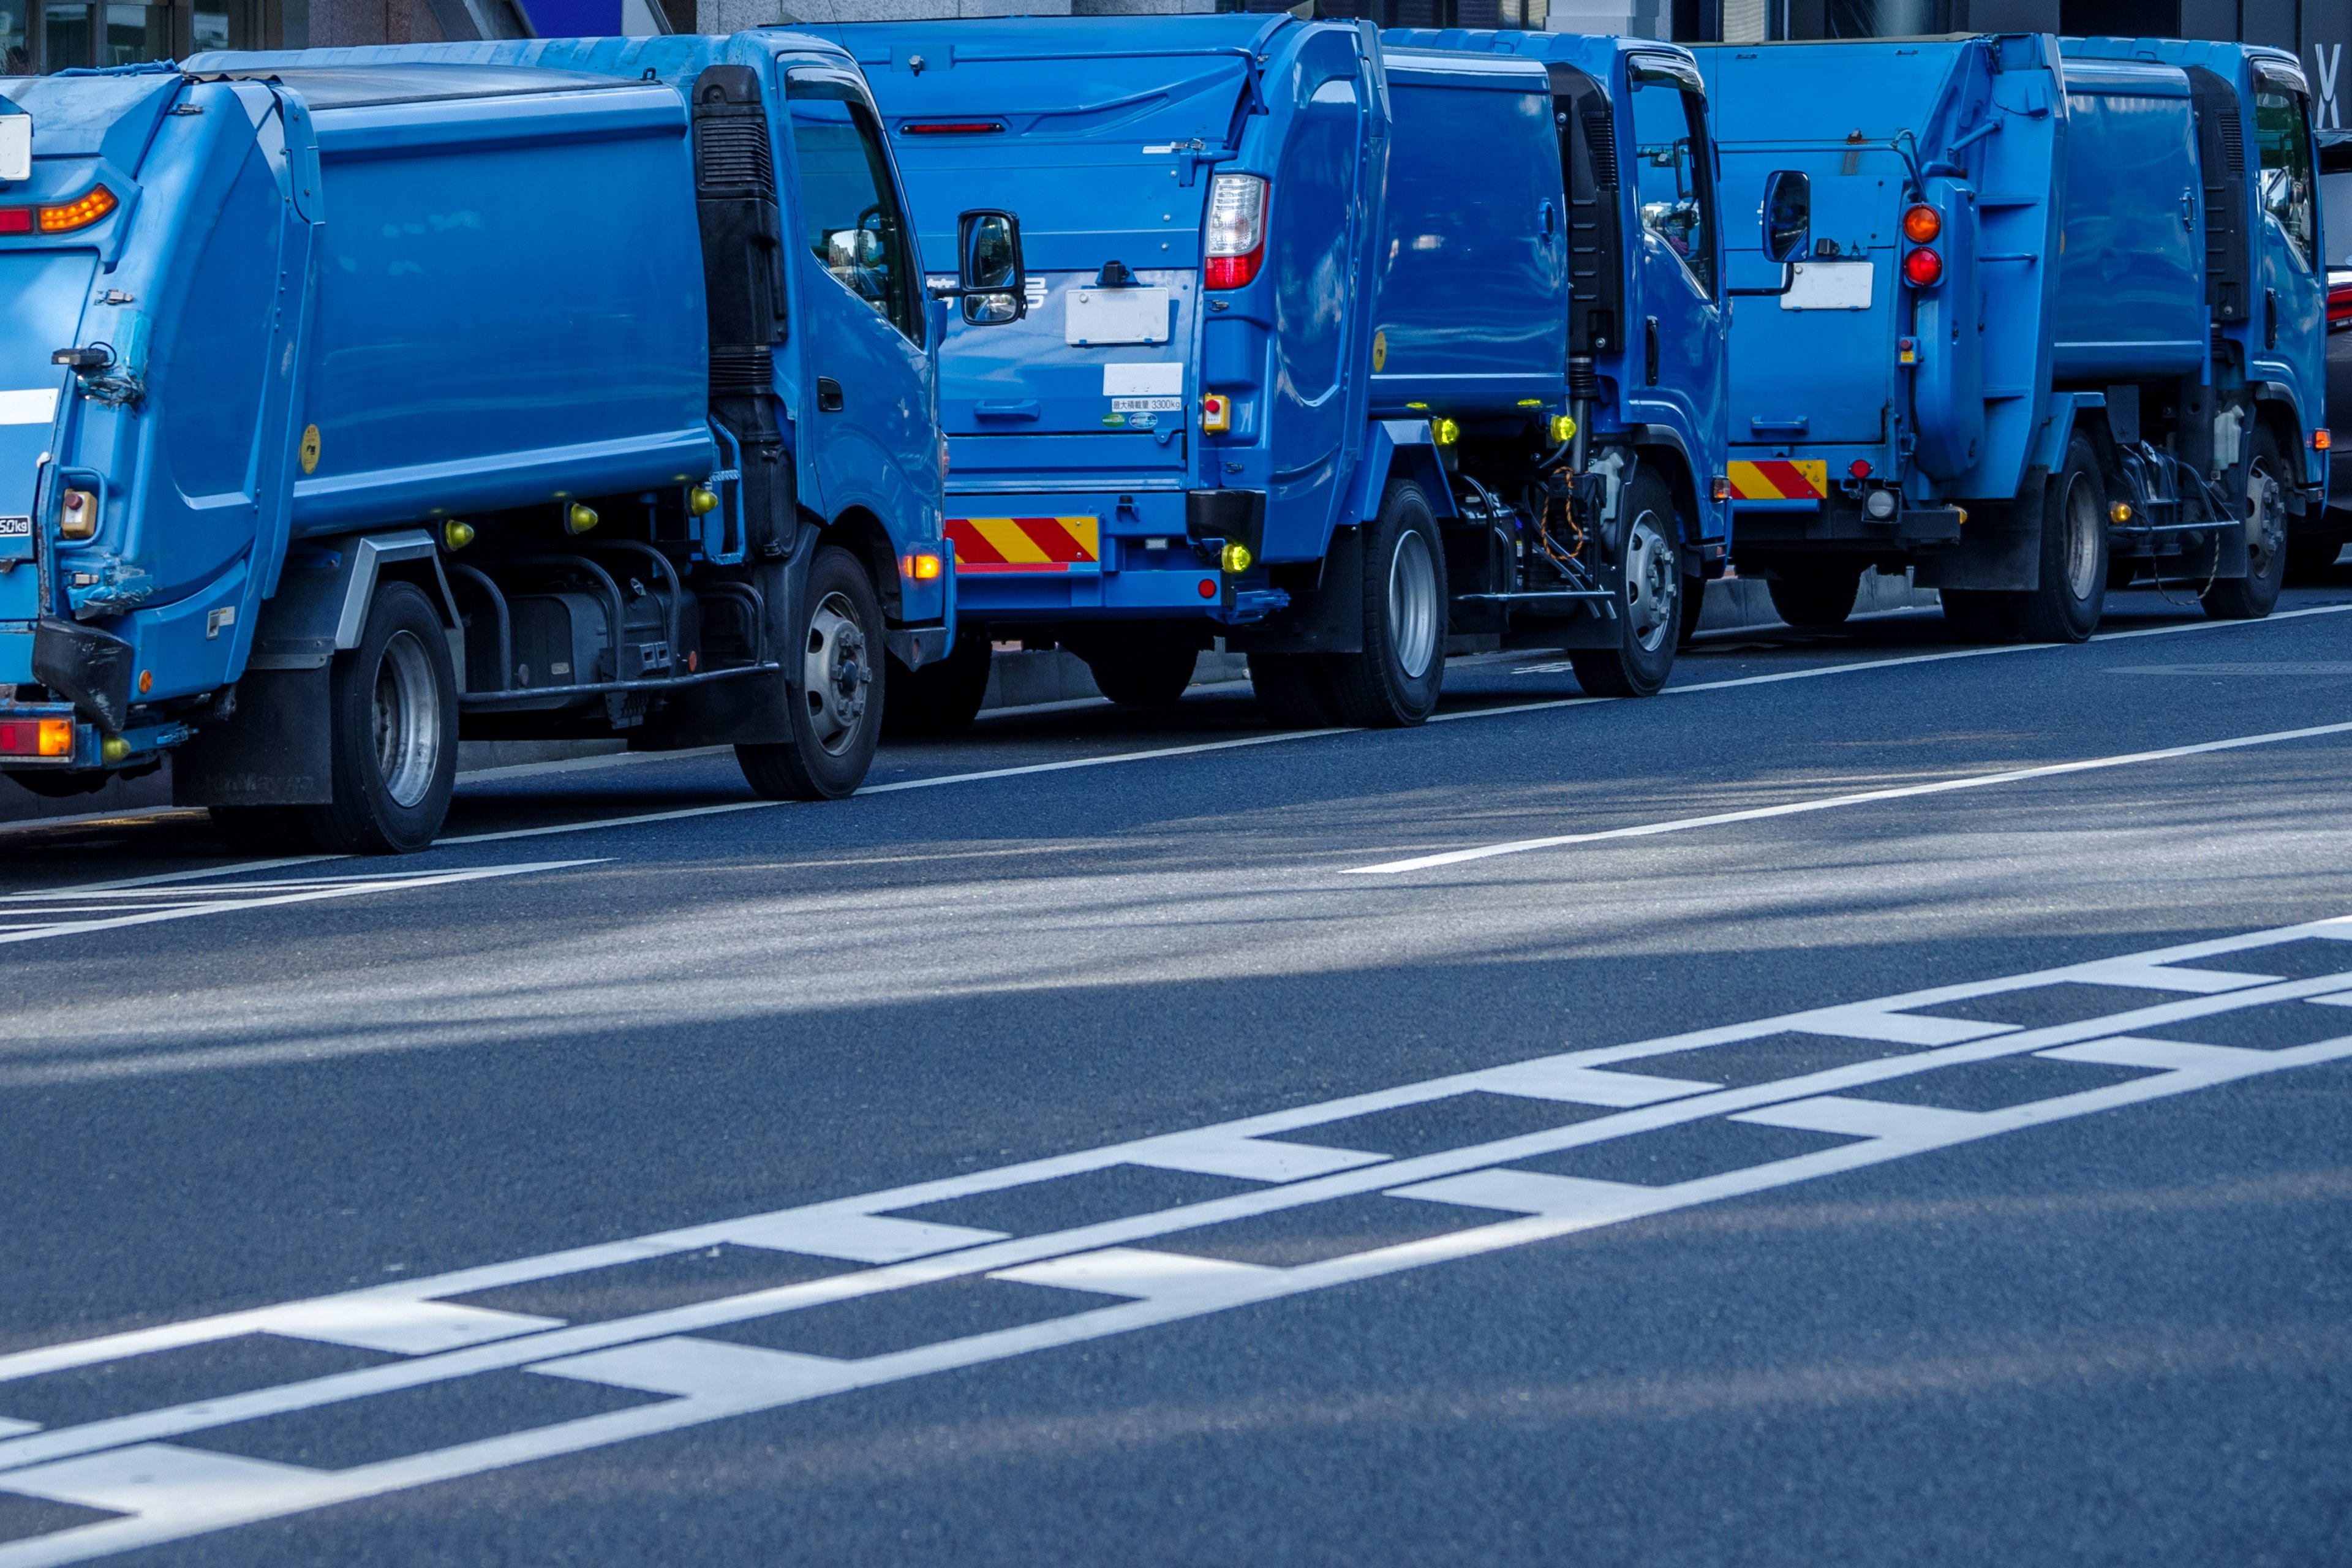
[(1023, 543), (1781, 479)]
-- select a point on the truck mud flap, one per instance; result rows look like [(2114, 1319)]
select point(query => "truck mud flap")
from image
[(2001, 545), (1327, 618), (274, 750), (749, 710), (89, 668)]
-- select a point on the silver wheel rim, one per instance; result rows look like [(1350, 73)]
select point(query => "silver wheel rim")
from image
[(1412, 603), (2265, 530), (2082, 545), (1650, 586), (836, 674), (407, 719)]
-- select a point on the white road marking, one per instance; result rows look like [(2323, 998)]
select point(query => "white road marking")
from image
[(986, 775), (1835, 802), (171, 1490), (36, 917)]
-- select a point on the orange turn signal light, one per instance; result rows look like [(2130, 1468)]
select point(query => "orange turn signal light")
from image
[(1922, 223), (2321, 440), (921, 566), (66, 217), (36, 737)]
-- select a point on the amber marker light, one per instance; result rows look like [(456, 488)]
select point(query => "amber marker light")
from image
[(921, 566), (66, 217), (1922, 224)]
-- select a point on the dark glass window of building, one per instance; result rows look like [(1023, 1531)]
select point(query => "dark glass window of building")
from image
[(41, 36)]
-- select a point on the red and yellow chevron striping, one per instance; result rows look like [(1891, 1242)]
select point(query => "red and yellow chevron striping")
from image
[(1781, 479), (1024, 544)]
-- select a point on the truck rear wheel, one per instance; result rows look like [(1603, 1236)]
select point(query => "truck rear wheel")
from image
[(943, 696), (1650, 618), (1144, 666), (2074, 592), (836, 708), (1976, 615), (2252, 596), (1818, 600), (392, 731), (1395, 680), (2311, 558), (1293, 690)]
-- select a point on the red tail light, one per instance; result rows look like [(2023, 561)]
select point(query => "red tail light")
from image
[(950, 127), (1236, 241), (1923, 268), (2339, 307)]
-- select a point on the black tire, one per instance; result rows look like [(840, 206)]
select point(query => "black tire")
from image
[(1693, 607), (1293, 690), (2253, 596), (1976, 615), (834, 700), (2074, 593), (264, 829), (943, 696), (1395, 680), (1651, 616), (2311, 558), (1821, 599), (1144, 665), (392, 731)]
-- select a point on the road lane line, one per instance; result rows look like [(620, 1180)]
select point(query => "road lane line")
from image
[(122, 1464), (1068, 765), (1835, 802), (22, 917)]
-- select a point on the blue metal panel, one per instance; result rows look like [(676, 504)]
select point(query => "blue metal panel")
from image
[(1473, 273), (442, 384), (2131, 295)]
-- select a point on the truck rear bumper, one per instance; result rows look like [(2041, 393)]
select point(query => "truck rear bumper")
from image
[(1076, 555), (1842, 529)]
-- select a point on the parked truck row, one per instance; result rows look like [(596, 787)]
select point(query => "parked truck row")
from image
[(745, 390)]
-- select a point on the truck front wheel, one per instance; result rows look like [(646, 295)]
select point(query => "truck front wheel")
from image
[(1395, 680), (1650, 617), (392, 731), (835, 710), (1821, 599), (2252, 596)]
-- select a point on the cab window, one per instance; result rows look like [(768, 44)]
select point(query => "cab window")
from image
[(850, 207), (1671, 166), (2284, 137)]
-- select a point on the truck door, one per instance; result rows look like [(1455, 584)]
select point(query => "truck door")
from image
[(1679, 334), (2290, 311), (866, 412), (1311, 241)]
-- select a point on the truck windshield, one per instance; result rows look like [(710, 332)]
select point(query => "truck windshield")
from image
[(2284, 140), (848, 204), (1670, 169)]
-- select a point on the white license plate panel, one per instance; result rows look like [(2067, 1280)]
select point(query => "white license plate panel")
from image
[(1093, 317), (1829, 286)]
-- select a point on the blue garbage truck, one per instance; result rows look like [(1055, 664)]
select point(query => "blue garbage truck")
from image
[(359, 406), (2031, 321), (1350, 356)]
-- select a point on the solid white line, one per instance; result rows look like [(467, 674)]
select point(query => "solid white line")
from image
[(1831, 802), (941, 781)]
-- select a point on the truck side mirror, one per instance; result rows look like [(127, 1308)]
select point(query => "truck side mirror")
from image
[(1788, 214), (990, 277)]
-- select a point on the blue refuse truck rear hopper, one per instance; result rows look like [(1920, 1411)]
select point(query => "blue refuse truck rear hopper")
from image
[(520, 428), (2020, 320), (1288, 285)]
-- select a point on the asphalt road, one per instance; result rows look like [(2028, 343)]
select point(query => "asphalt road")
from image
[(1874, 1102)]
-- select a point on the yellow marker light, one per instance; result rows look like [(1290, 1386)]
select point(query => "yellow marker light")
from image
[(580, 519), (1237, 559), (1423, 407), (146, 681), (113, 748), (78, 519), (1963, 511), (66, 217), (921, 566), (1216, 414), (2119, 512), (1563, 429), (456, 533), (702, 500), (1444, 432)]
